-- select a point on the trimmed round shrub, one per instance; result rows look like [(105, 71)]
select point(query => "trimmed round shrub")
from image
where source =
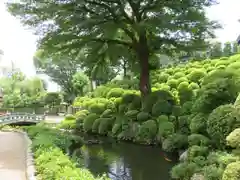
[(212, 172), (183, 124), (132, 114), (162, 119), (182, 79), (198, 123), (105, 125), (221, 122), (147, 131), (97, 108), (193, 86), (172, 83), (69, 117), (232, 171), (183, 86), (218, 92), (195, 151), (235, 65), (115, 92), (136, 103), (88, 122), (143, 116), (163, 77), (175, 142), (233, 139), (127, 97), (162, 107), (96, 125), (178, 75), (196, 75), (184, 170), (187, 108), (152, 98), (106, 113), (198, 139), (165, 129)]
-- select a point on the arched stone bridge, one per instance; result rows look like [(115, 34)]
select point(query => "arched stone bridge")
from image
[(21, 118)]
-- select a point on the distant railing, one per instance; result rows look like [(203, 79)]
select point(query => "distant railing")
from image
[(21, 117)]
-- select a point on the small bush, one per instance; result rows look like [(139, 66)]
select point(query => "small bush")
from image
[(198, 139), (166, 129), (147, 131), (221, 122), (178, 75), (132, 114), (122, 108), (97, 108), (88, 122), (115, 92), (96, 125), (162, 107), (105, 125), (233, 139), (196, 75), (195, 151), (162, 119), (193, 86), (198, 123), (172, 83), (128, 98), (107, 113), (175, 142), (143, 116), (232, 171), (184, 170), (212, 172)]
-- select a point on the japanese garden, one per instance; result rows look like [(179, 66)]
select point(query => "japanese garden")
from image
[(145, 91)]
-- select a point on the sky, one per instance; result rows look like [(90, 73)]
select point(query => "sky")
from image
[(19, 43)]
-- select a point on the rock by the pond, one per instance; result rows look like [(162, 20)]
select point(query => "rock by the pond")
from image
[(198, 177), (183, 156)]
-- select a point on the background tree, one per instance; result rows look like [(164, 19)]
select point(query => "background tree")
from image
[(216, 50), (80, 81), (143, 28), (52, 99), (227, 49)]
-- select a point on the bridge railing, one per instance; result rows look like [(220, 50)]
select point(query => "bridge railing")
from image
[(20, 117)]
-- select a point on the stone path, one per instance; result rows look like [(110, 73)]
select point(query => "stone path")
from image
[(13, 148)]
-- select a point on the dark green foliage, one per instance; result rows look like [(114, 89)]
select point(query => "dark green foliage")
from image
[(198, 123), (143, 116), (221, 122), (212, 172), (187, 108), (132, 114), (154, 97), (195, 151), (184, 171), (165, 129), (116, 129), (122, 108), (175, 142), (96, 124), (105, 125), (107, 113), (128, 98), (218, 92), (162, 119), (183, 124), (198, 140), (88, 122), (136, 103), (161, 107), (147, 132)]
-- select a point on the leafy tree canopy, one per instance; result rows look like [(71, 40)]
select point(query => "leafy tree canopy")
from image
[(138, 27)]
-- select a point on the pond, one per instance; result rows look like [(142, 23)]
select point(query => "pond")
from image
[(125, 161)]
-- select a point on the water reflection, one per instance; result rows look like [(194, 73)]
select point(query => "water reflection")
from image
[(124, 161)]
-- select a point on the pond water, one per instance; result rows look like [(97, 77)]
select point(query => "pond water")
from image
[(125, 161)]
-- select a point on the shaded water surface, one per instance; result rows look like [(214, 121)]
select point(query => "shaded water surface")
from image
[(124, 161)]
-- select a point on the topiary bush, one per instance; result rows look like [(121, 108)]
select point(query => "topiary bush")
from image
[(69, 117), (198, 139), (115, 92), (143, 116), (88, 122), (162, 107), (147, 132), (221, 122), (195, 151), (175, 142), (132, 114), (232, 171), (172, 83), (165, 129), (198, 123), (107, 113), (233, 139), (96, 124), (196, 75), (105, 125), (184, 171), (97, 108)]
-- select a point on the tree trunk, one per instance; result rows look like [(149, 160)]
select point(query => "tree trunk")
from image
[(143, 55), (124, 68)]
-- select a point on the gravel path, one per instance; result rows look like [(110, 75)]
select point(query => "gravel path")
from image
[(13, 148)]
